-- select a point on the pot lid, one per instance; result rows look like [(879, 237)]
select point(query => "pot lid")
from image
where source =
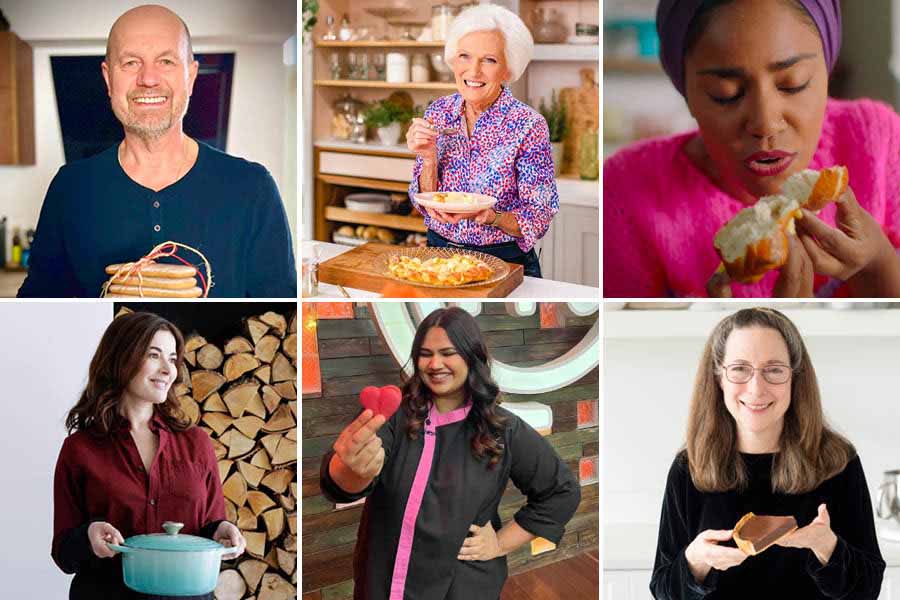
[(172, 541)]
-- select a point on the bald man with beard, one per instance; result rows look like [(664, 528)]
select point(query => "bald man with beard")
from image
[(158, 184)]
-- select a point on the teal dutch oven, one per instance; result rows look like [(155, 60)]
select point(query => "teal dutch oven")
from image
[(171, 564)]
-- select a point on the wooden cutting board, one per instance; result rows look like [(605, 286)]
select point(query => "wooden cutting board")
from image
[(582, 114), (359, 268)]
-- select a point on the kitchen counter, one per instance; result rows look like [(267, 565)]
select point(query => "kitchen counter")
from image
[(10, 282), (632, 547), (572, 190), (532, 288)]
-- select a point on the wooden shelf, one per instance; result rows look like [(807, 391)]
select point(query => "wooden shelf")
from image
[(633, 66), (345, 215), (567, 52), (379, 44), (359, 83), (375, 184)]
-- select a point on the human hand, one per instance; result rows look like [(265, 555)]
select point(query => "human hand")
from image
[(857, 246), (481, 545), (705, 553), (719, 284), (817, 536), (100, 534), (796, 277), (359, 448), (231, 537), (421, 138), (794, 281)]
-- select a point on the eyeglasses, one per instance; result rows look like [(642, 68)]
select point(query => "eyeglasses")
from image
[(774, 374)]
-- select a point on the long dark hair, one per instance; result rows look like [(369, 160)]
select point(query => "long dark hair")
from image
[(118, 359), (480, 388)]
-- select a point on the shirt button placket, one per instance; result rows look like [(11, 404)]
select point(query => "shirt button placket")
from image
[(157, 220)]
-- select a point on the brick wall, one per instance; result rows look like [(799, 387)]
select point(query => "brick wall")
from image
[(352, 355)]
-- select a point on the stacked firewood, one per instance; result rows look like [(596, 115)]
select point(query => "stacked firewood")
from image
[(244, 395)]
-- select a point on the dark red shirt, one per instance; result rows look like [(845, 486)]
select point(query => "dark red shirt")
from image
[(103, 479)]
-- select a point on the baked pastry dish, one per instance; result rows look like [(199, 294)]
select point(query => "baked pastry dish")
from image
[(457, 269), (755, 240), (754, 533), (455, 198)]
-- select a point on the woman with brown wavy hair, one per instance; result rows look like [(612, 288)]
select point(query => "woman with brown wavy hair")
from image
[(435, 472), (757, 441), (132, 460)]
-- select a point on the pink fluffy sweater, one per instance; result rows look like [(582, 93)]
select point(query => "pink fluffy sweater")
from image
[(661, 213)]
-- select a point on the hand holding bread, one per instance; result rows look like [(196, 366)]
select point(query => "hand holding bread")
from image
[(755, 240), (856, 251)]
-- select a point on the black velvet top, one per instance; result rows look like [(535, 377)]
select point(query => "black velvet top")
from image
[(855, 569)]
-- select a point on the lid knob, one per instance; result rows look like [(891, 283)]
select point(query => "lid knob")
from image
[(172, 527)]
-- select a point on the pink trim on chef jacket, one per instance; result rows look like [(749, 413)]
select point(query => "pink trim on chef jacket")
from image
[(423, 472)]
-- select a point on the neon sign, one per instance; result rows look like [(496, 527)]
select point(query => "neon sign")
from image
[(397, 324)]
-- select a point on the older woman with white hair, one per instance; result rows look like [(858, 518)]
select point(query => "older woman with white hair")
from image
[(483, 140)]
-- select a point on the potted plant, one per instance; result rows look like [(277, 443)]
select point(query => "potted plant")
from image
[(388, 118), (555, 115)]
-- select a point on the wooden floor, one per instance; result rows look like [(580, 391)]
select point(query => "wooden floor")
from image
[(576, 578)]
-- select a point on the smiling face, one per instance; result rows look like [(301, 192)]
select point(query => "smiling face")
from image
[(479, 67), (158, 370), (758, 407), (442, 369), (757, 84), (148, 74)]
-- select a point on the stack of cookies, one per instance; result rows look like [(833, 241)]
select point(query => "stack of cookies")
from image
[(155, 280)]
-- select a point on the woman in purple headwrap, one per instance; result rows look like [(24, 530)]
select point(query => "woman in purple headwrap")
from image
[(754, 74)]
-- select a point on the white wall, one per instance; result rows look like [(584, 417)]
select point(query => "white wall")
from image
[(647, 387), (47, 350), (263, 97)]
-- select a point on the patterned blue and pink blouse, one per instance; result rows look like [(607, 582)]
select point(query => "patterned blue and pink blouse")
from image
[(508, 157)]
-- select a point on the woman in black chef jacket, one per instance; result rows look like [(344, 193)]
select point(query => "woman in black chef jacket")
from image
[(132, 460), (435, 472), (757, 442)]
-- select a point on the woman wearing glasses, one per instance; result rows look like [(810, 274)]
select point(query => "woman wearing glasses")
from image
[(757, 442)]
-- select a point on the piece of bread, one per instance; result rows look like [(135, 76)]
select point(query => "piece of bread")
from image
[(755, 240), (155, 269), (118, 291), (754, 533), (157, 282)]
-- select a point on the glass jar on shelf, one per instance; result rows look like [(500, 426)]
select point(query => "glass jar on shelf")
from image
[(345, 33), (441, 19), (352, 66), (548, 27), (330, 34), (362, 65), (378, 66), (346, 110), (419, 69), (335, 68)]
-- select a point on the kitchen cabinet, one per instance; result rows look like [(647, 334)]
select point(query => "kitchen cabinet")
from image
[(626, 585), (16, 101), (569, 250), (890, 588)]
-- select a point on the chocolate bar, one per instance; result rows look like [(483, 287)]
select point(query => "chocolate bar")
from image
[(753, 533)]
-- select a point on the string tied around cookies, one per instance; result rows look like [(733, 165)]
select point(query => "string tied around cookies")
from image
[(147, 278)]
